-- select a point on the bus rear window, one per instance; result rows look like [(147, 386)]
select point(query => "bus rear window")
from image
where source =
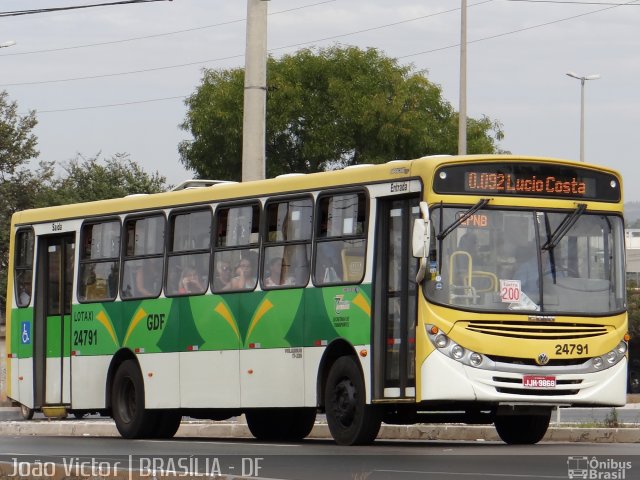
[(24, 267)]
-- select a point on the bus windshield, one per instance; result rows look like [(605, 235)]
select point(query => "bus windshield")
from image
[(568, 262)]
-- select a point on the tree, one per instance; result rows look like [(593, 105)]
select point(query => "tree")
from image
[(91, 179), (84, 179), (17, 183), (326, 109)]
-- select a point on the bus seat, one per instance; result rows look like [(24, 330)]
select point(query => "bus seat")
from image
[(352, 264)]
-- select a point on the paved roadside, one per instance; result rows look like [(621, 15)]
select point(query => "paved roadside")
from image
[(101, 427)]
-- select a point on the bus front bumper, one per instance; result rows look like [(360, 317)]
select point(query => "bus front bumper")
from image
[(444, 380)]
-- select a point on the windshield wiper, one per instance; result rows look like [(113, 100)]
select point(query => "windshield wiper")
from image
[(443, 233), (564, 227)]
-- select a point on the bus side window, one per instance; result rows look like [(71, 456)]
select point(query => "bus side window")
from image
[(99, 261), (23, 266), (340, 238), (236, 252), (189, 252), (287, 237), (144, 257)]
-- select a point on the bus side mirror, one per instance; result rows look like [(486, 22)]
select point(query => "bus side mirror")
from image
[(421, 233), (418, 241), (421, 240)]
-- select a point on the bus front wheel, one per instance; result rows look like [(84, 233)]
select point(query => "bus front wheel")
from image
[(351, 421), (128, 404), (288, 424), (522, 429)]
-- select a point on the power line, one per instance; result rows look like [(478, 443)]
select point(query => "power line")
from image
[(117, 74), (294, 45), (575, 2), (211, 60), (156, 35), (512, 32), (16, 13), (91, 107)]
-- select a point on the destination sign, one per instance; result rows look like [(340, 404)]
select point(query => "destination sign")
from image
[(528, 179)]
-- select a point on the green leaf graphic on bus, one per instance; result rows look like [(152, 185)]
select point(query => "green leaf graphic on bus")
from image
[(148, 324), (216, 323), (274, 321)]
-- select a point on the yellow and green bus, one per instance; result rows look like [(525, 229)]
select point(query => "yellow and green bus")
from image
[(476, 289)]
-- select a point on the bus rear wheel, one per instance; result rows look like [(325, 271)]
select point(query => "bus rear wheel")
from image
[(128, 404), (522, 429), (26, 412), (351, 421), (167, 423), (288, 424)]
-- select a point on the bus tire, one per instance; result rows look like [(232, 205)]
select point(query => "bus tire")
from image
[(26, 412), (351, 421), (285, 424), (522, 429), (167, 423), (132, 419)]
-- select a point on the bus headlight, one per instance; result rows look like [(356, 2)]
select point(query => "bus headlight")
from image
[(598, 362), (441, 341), (621, 348), (457, 352), (452, 350), (475, 359), (611, 357)]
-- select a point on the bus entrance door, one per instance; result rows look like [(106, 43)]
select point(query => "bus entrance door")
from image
[(395, 300), (52, 333)]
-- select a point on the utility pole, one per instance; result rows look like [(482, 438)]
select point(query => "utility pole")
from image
[(255, 92), (462, 115)]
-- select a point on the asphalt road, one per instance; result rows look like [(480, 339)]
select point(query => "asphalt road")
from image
[(318, 459), (629, 414)]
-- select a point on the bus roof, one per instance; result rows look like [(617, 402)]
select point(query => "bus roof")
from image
[(394, 170)]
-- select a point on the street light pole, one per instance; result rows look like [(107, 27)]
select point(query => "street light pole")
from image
[(462, 114), (582, 79)]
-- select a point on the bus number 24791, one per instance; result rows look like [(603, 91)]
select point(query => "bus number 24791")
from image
[(85, 337)]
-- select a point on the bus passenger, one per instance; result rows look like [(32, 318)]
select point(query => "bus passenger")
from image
[(190, 282), (222, 280), (245, 278), (275, 273)]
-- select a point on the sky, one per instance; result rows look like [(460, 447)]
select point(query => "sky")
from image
[(114, 79)]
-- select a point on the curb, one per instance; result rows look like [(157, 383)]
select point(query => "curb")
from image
[(200, 429)]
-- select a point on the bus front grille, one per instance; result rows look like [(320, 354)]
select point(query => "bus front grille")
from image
[(537, 392), (536, 330)]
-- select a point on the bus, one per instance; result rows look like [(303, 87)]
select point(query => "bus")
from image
[(486, 289)]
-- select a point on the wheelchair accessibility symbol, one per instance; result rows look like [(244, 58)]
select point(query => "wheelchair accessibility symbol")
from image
[(26, 333)]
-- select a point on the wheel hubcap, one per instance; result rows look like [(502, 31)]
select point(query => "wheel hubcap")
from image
[(345, 402), (127, 407)]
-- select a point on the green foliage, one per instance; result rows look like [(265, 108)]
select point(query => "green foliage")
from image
[(327, 109), (91, 179), (18, 185), (84, 180), (633, 308), (612, 420)]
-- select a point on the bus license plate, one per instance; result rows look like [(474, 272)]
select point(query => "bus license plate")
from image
[(537, 381)]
